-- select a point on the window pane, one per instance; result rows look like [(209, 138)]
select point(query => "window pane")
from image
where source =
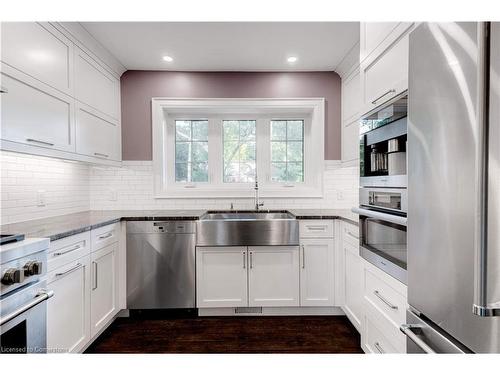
[(295, 130), (278, 171), (287, 154), (278, 151), (200, 130), (183, 130), (278, 130), (294, 151), (200, 152), (239, 150), (191, 151)]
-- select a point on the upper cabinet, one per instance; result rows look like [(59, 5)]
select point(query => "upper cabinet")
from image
[(95, 86), (40, 51), (384, 62), (47, 77), (351, 98)]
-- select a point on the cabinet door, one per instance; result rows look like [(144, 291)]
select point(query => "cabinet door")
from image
[(68, 312), (372, 34), (273, 276), (351, 98), (350, 141), (95, 86), (353, 271), (103, 287), (221, 277), (40, 51), (95, 136), (387, 75), (317, 276), (35, 114)]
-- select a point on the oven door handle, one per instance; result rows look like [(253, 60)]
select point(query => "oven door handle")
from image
[(40, 297), (381, 216)]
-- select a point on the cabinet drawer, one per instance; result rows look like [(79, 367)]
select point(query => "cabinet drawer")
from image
[(381, 295), (379, 329), (104, 236), (68, 250), (316, 228), (375, 341), (350, 234)]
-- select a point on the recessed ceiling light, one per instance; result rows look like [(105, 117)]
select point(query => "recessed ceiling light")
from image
[(292, 59), (167, 58)]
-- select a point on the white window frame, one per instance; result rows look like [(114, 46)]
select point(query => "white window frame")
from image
[(166, 110)]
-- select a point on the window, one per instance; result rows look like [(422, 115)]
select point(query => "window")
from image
[(239, 150), (287, 150), (206, 148), (191, 150)]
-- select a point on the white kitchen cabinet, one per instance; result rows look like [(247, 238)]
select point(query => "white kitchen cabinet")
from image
[(68, 312), (350, 142), (353, 285), (103, 295), (351, 98), (36, 114), (273, 276), (221, 277), (40, 51), (95, 136), (317, 272), (371, 34), (387, 75), (95, 86)]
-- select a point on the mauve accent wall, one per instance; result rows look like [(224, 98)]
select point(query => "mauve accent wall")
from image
[(138, 87)]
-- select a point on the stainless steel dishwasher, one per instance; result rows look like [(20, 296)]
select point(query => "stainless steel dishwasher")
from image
[(161, 264)]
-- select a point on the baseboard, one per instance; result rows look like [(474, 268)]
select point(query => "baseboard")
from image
[(272, 311)]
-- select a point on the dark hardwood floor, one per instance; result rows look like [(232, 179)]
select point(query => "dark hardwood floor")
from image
[(270, 334)]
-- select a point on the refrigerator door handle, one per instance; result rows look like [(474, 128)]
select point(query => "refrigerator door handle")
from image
[(482, 306), (407, 329)]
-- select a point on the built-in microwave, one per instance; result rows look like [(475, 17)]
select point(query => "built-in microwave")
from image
[(383, 139)]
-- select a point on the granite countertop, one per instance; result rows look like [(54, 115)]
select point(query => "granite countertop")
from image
[(58, 227)]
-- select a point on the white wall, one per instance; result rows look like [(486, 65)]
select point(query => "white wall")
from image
[(65, 185), (132, 187), (73, 187)]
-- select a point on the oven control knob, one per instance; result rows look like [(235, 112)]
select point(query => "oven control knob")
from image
[(12, 276), (32, 268)]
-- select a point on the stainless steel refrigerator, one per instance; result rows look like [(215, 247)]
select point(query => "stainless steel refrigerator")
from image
[(454, 188)]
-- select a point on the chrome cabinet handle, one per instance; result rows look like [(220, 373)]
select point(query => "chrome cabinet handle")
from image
[(316, 227), (352, 234), (251, 260), (384, 94), (101, 154), (377, 293), (303, 257), (67, 251), (244, 260), (407, 329), (379, 348), (105, 236), (481, 305), (40, 297), (38, 141), (78, 265), (94, 270)]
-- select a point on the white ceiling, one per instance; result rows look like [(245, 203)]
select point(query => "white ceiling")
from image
[(227, 46)]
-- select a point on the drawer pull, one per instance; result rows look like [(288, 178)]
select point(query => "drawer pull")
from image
[(377, 293), (352, 234), (391, 91), (379, 348), (69, 271), (316, 227), (67, 251), (38, 141), (100, 154), (106, 236), (94, 279)]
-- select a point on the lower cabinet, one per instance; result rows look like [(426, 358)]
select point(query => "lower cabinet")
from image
[(273, 276), (221, 277), (68, 312), (103, 287), (353, 270), (317, 278)]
